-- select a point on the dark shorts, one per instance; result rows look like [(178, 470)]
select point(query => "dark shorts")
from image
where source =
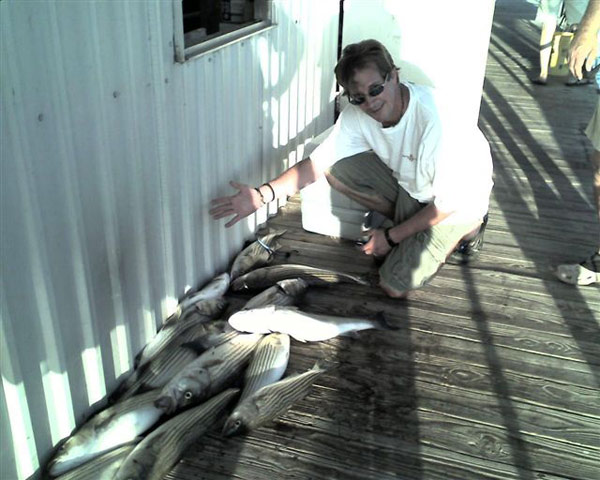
[(415, 260)]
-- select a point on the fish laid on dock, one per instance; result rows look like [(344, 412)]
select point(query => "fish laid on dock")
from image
[(156, 454), (258, 253), (267, 276), (169, 362), (303, 326), (214, 289), (103, 467), (112, 427), (268, 363), (283, 293), (208, 374), (270, 401), (179, 332)]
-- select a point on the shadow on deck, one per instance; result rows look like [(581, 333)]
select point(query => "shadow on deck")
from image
[(495, 370)]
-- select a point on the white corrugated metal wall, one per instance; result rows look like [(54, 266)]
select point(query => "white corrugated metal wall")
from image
[(110, 155)]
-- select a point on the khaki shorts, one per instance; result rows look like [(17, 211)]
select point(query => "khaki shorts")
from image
[(593, 129), (415, 260)]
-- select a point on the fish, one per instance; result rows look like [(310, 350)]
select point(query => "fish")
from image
[(214, 289), (258, 253), (156, 454), (110, 428), (179, 332), (270, 401), (208, 374), (283, 293), (267, 276), (103, 467), (303, 326), (170, 361), (268, 363)]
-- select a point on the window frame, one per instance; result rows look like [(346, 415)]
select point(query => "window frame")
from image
[(217, 41)]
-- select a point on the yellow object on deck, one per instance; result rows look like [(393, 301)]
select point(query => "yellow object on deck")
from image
[(560, 50)]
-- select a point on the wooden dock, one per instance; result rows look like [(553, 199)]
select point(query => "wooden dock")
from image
[(494, 371)]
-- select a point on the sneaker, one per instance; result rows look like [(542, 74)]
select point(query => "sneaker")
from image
[(584, 273), (468, 250)]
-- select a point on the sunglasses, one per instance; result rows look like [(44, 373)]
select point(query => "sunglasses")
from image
[(374, 90)]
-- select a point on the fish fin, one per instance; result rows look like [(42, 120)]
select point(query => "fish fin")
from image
[(367, 279), (382, 322), (321, 365)]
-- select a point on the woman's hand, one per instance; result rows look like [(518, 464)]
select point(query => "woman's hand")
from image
[(242, 204), (377, 244)]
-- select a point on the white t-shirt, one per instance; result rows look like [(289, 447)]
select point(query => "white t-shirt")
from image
[(433, 160)]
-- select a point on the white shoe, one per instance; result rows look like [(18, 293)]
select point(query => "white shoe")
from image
[(576, 274)]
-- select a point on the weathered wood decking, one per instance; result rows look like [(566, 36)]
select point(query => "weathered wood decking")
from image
[(495, 370)]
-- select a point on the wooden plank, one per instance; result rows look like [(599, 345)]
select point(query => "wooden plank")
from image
[(494, 371)]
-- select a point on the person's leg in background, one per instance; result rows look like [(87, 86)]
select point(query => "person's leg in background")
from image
[(549, 10), (587, 272)]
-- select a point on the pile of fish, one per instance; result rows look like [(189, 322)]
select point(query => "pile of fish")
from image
[(184, 378)]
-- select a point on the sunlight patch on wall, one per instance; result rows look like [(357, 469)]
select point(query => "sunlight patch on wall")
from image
[(59, 404), (91, 359), (120, 352), (149, 325), (169, 306), (17, 407), (20, 425)]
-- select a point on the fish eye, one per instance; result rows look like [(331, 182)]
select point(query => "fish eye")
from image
[(188, 395), (238, 423)]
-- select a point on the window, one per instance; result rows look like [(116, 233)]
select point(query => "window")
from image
[(204, 25)]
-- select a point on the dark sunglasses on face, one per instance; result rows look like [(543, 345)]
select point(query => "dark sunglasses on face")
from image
[(374, 90)]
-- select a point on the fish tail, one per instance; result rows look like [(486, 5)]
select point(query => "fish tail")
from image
[(322, 365), (382, 323)]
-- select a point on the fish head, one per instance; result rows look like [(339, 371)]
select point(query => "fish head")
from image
[(69, 454), (134, 470), (184, 392), (293, 286), (239, 284), (254, 320), (235, 425), (211, 307)]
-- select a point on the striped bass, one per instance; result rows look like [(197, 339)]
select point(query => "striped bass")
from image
[(112, 427), (269, 402), (103, 467), (208, 374), (283, 293), (268, 364), (305, 327), (214, 289), (258, 253), (170, 361), (267, 276), (176, 333), (156, 454)]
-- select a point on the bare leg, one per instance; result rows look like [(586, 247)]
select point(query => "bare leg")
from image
[(548, 29), (586, 272)]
